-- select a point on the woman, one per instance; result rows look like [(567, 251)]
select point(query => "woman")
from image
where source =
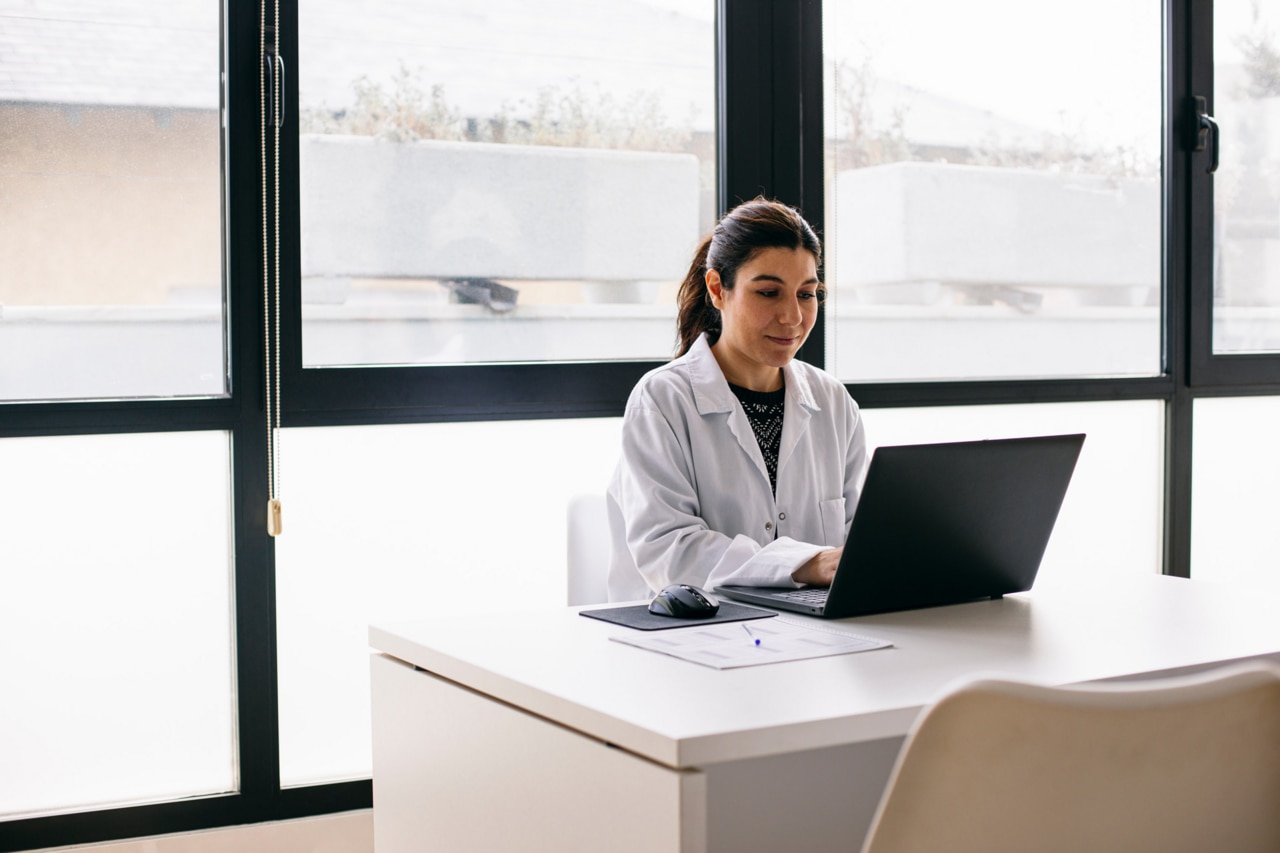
[(739, 464)]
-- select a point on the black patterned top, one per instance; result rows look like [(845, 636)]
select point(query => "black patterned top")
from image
[(764, 410)]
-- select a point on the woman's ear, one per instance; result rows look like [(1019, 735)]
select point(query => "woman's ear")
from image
[(715, 289)]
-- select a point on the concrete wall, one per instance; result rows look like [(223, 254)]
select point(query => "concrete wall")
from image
[(108, 205), (437, 209), (906, 232)]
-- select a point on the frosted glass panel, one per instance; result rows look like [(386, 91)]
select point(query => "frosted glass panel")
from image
[(1112, 516), (385, 523), (115, 620), (1235, 505), (992, 189)]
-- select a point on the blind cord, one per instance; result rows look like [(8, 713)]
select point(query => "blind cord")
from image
[(271, 306)]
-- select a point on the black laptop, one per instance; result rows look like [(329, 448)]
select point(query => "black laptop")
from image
[(941, 524)]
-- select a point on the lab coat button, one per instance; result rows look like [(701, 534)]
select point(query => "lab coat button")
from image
[(782, 516), (768, 525)]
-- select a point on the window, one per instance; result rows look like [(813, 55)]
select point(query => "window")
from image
[(993, 198), (1246, 187), (396, 522), (1111, 517), (483, 182), (110, 200)]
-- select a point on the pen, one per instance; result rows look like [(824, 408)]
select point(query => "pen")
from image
[(749, 634)]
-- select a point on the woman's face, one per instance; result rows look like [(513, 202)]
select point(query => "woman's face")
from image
[(766, 316)]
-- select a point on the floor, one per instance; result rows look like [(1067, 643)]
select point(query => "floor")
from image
[(349, 832)]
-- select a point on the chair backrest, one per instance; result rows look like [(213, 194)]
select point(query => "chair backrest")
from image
[(1179, 764), (589, 549)]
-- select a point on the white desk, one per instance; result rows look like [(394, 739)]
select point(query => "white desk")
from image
[(533, 731)]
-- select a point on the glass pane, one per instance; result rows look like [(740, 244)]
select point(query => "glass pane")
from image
[(115, 621), (1111, 519), (385, 523), (1246, 187), (110, 200), (1234, 501), (993, 192), (492, 182)]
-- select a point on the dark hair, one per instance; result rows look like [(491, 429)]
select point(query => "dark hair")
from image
[(744, 231)]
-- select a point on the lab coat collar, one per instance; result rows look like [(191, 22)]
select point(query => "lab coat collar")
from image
[(711, 394), (711, 391)]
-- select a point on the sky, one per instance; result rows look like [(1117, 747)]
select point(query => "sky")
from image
[(1091, 67), (1053, 67)]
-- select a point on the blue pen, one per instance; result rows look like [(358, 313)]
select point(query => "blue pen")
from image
[(749, 634)]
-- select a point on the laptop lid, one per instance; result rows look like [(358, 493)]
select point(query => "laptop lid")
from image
[(947, 523)]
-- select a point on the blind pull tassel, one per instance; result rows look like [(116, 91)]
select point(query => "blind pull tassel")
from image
[(275, 524)]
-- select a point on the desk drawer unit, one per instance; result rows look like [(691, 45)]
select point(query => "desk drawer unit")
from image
[(456, 771)]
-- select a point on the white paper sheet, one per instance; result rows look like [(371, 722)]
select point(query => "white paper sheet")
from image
[(733, 644)]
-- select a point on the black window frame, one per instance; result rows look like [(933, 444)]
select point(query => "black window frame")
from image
[(770, 141)]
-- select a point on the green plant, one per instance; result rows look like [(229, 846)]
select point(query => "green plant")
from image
[(870, 141), (403, 113), (408, 111)]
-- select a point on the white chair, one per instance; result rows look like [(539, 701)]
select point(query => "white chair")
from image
[(1178, 764), (589, 548)]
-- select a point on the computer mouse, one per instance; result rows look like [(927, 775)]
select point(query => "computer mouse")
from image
[(684, 601)]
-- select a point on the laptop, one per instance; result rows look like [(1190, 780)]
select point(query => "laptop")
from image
[(941, 524)]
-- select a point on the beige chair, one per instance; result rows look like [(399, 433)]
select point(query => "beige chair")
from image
[(589, 548), (1178, 764)]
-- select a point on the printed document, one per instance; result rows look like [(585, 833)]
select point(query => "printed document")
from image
[(727, 645)]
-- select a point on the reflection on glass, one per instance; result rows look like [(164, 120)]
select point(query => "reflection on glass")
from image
[(482, 183), (389, 523), (1246, 187), (115, 621), (993, 201), (110, 200), (1235, 503)]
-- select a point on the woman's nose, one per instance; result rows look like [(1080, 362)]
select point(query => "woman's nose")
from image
[(789, 311)]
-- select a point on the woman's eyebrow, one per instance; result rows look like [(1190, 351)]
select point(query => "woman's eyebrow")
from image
[(778, 279)]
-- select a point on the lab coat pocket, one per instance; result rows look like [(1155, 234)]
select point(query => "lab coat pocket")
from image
[(832, 522)]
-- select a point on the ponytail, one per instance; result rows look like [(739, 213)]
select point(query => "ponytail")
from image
[(696, 314)]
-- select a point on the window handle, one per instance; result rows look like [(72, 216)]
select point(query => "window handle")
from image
[(1207, 132), (275, 107), (269, 68), (279, 113)]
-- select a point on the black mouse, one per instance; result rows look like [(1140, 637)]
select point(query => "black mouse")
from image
[(684, 601)]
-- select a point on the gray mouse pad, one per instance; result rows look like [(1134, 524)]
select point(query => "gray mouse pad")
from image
[(638, 616)]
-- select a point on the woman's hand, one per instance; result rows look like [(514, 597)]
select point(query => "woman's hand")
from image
[(820, 570)]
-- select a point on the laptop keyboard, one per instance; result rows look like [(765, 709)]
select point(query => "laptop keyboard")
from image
[(811, 595)]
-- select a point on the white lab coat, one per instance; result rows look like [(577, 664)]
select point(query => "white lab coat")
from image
[(690, 501)]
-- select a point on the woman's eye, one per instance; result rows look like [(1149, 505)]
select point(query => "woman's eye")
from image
[(808, 295), (767, 293)]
